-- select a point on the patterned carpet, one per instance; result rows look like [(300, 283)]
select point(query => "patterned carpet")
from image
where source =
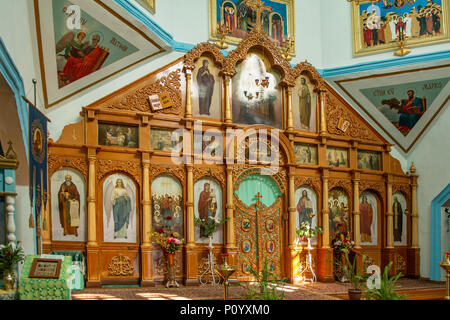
[(307, 291)]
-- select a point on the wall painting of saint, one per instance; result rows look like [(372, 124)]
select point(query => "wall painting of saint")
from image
[(338, 207), (368, 210), (305, 153), (167, 202), (208, 205), (120, 212), (68, 205), (207, 89), (305, 105), (369, 160), (118, 135), (399, 209), (306, 208), (337, 157)]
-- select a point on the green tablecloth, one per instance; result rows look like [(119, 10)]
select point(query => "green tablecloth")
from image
[(44, 289), (77, 269)]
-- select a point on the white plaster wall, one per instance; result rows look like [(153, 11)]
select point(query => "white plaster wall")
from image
[(337, 40), (431, 158)]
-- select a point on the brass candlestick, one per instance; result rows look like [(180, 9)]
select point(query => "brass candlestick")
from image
[(225, 271), (401, 39), (222, 32), (446, 266)]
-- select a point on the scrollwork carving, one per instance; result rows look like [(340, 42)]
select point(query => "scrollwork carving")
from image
[(205, 47), (138, 100), (335, 111), (312, 182), (400, 263), (370, 185), (56, 162), (306, 67), (177, 171), (342, 183), (131, 167), (120, 266), (405, 189), (216, 173)]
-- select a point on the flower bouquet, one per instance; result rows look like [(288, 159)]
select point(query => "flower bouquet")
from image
[(207, 228), (10, 256), (342, 240), (169, 241)]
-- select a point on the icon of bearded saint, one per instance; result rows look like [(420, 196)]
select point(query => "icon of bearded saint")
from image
[(69, 206)]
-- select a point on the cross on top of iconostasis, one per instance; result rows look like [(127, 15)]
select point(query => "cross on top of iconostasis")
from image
[(259, 7)]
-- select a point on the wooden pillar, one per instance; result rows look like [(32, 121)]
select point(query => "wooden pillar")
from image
[(292, 253), (231, 248), (325, 253), (227, 98), (93, 257), (191, 254), (356, 214), (389, 215), (188, 110), (323, 118), (413, 269), (146, 247), (290, 115)]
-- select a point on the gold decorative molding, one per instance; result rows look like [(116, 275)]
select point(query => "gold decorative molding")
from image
[(342, 183), (312, 182), (56, 162), (400, 264), (405, 189), (138, 101), (120, 266), (258, 39), (314, 76), (379, 187), (193, 55), (9, 161), (210, 172), (162, 268), (335, 111), (112, 166), (177, 171)]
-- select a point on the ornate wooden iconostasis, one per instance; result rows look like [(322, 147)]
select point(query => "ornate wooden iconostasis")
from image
[(135, 164)]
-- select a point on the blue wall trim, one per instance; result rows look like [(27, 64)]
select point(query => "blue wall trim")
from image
[(12, 76), (383, 64), (435, 233)]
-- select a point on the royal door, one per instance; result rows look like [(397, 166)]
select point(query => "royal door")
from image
[(258, 225)]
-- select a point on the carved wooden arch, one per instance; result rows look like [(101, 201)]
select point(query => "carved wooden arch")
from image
[(344, 184), (131, 168), (125, 173), (217, 174), (283, 142), (313, 75), (242, 171), (376, 187), (201, 49), (176, 171), (56, 163), (313, 183), (258, 40)]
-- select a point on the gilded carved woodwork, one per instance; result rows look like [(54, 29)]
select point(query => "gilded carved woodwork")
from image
[(120, 266), (335, 111), (214, 172), (177, 171), (258, 39), (162, 264), (405, 189), (379, 187), (56, 162), (251, 143), (240, 172), (193, 55), (400, 264), (111, 166), (138, 100), (314, 183), (342, 183), (314, 76)]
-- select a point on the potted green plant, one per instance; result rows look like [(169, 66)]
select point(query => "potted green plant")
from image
[(10, 256), (356, 278), (267, 283), (385, 291)]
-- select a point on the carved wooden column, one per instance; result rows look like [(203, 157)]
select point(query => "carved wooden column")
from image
[(188, 111), (191, 254), (389, 215), (290, 115), (146, 247), (413, 268), (356, 214), (227, 98), (93, 257), (325, 253), (323, 118), (10, 219), (231, 248), (294, 261)]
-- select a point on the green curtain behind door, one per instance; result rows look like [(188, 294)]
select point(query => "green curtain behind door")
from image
[(255, 183)]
